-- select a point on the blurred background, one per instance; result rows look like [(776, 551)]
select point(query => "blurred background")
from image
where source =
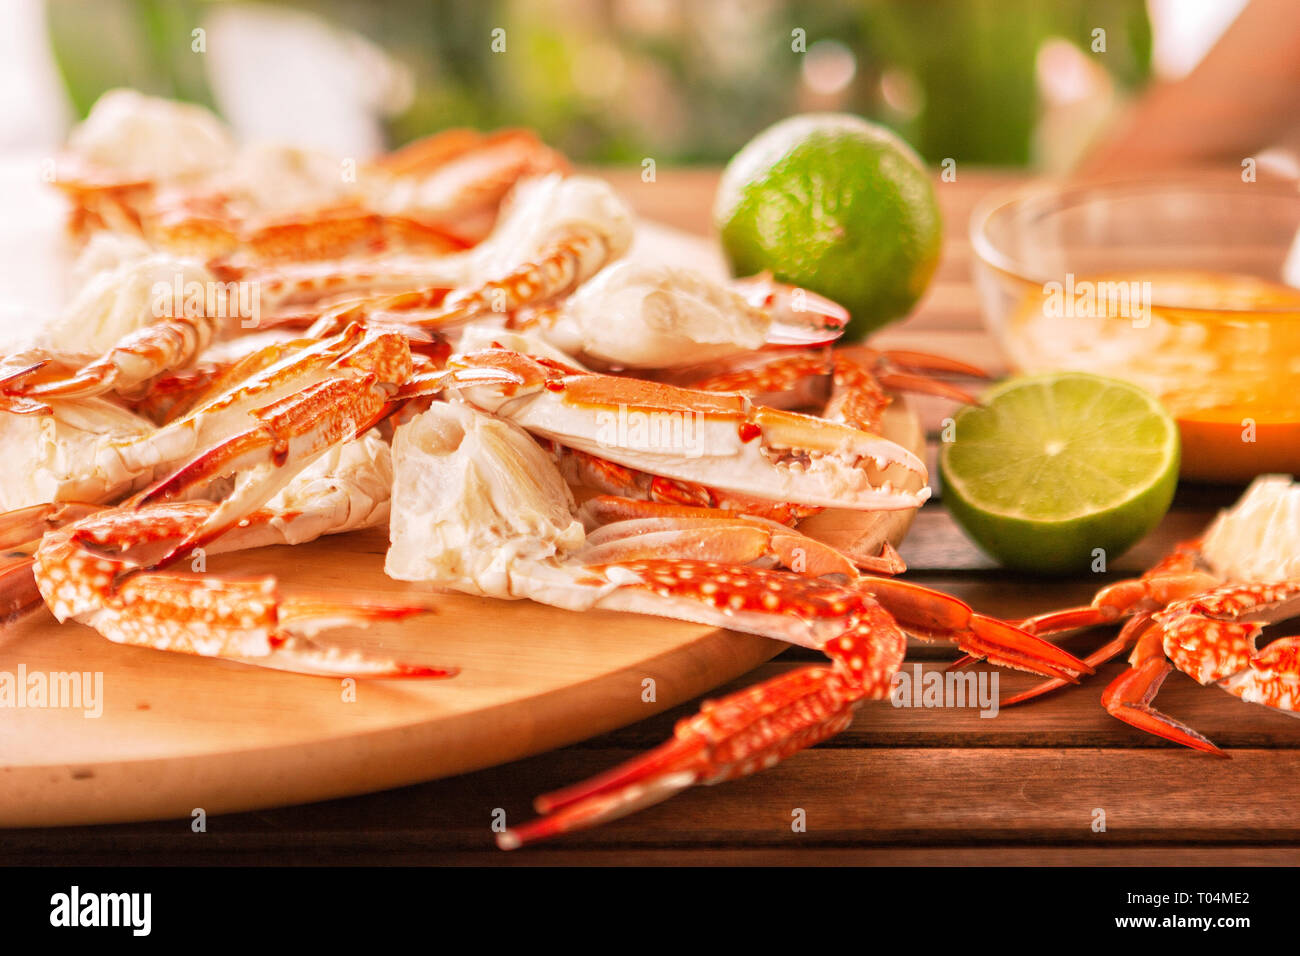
[(1018, 83)]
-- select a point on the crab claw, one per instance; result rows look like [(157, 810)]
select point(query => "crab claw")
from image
[(246, 621), (799, 316), (1069, 619), (26, 525), (17, 404), (758, 726), (717, 439), (738, 735)]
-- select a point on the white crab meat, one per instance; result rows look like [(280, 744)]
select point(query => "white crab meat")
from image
[(272, 179), (146, 138), (475, 499), (479, 507), (346, 489), (638, 315), (70, 454), (1258, 538)]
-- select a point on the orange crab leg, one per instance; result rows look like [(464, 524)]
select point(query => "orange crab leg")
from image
[(567, 263), (1107, 652), (628, 484), (26, 525), (1129, 696), (796, 551), (922, 385), (138, 357), (295, 429), (651, 530), (933, 615), (10, 376), (16, 404), (248, 620)]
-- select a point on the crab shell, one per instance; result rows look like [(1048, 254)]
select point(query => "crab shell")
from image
[(718, 439)]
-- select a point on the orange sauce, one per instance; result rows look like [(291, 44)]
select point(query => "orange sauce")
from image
[(1222, 351)]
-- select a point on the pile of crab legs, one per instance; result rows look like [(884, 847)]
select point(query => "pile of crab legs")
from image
[(462, 394)]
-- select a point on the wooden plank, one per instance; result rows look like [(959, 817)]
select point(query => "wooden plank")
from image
[(936, 543), (379, 848), (881, 797)]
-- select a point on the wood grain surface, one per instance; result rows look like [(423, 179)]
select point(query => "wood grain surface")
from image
[(901, 786)]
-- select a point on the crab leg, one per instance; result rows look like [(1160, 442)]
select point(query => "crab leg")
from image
[(859, 379), (458, 178), (1129, 696), (860, 376), (1175, 576), (1126, 638), (316, 236), (557, 234), (559, 268), (353, 354), (26, 525), (137, 358)]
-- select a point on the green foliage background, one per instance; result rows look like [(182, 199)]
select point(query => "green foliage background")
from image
[(696, 88)]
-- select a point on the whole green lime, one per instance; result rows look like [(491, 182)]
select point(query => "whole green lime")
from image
[(836, 205), (1061, 472)]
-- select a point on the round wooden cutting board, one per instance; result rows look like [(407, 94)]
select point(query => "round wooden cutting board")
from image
[(178, 733)]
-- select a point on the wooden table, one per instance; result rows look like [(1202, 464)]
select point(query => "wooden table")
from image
[(902, 786)]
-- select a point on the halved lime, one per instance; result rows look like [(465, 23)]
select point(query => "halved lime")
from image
[(1060, 472)]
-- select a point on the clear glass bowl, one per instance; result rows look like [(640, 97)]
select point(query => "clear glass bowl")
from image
[(1189, 288)]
